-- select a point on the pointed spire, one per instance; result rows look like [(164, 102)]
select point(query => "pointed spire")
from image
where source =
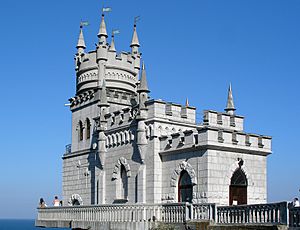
[(81, 43), (103, 97), (230, 105), (143, 87), (102, 30), (112, 47), (187, 102), (135, 39)]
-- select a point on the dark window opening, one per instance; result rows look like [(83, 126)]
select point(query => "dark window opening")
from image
[(185, 187)]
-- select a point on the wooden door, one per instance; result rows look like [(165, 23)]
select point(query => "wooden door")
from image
[(237, 195)]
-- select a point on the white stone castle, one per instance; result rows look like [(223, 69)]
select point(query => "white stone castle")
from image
[(127, 148), (137, 163)]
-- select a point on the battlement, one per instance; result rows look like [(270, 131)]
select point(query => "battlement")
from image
[(171, 111), (206, 137), (223, 120), (119, 71)]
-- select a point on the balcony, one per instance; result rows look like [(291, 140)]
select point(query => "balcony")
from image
[(149, 216)]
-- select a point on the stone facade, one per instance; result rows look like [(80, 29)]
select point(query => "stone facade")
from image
[(127, 148)]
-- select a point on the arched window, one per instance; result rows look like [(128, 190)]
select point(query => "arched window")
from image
[(185, 187), (88, 129), (80, 129), (123, 183), (238, 188)]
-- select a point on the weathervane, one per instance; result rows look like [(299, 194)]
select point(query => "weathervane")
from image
[(84, 23), (136, 19), (115, 31), (106, 9)]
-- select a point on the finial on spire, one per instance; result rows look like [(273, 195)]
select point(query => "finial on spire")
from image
[(187, 102), (230, 105), (135, 39), (143, 86), (102, 29)]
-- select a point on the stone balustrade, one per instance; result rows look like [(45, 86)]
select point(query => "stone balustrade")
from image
[(168, 213), (274, 213), (294, 217), (256, 215)]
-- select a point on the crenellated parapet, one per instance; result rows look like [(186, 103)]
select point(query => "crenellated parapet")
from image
[(120, 72), (215, 138), (223, 120), (171, 111)]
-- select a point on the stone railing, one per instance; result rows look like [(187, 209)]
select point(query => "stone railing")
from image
[(168, 213), (274, 213), (294, 217), (204, 212)]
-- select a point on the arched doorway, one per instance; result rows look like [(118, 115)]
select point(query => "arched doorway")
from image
[(238, 188), (185, 187)]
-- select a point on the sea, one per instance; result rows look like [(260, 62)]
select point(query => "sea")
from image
[(12, 224)]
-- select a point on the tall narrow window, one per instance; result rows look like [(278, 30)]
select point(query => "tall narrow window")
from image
[(123, 183), (80, 129), (185, 187), (88, 129)]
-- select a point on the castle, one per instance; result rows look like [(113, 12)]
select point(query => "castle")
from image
[(140, 163), (130, 149)]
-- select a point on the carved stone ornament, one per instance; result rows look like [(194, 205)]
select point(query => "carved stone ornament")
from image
[(116, 172), (75, 200), (176, 173)]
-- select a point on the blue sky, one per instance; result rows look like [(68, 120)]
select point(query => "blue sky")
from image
[(191, 49)]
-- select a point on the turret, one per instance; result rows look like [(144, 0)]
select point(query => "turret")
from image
[(102, 123), (80, 48), (80, 44), (102, 34), (112, 47), (143, 89), (230, 105), (102, 51), (141, 130), (135, 44)]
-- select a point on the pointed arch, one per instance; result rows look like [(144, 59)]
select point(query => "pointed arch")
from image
[(121, 174), (116, 172), (176, 173), (185, 187), (238, 188)]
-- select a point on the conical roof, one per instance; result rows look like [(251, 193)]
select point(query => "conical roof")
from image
[(102, 29), (81, 43), (112, 47), (143, 86), (135, 39), (230, 104), (187, 104)]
